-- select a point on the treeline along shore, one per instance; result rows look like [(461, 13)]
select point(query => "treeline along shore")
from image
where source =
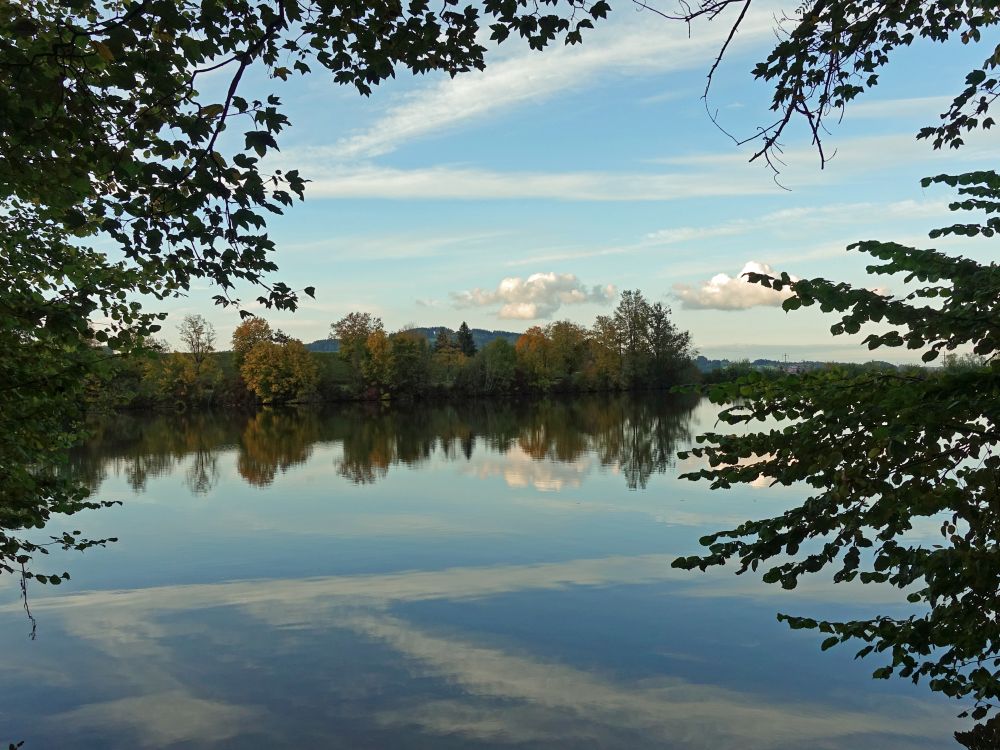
[(636, 347)]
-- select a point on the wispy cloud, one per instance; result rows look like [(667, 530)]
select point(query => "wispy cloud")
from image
[(804, 218), (467, 183), (848, 158), (670, 178), (637, 44), (926, 106), (395, 246), (537, 296), (725, 292), (802, 221)]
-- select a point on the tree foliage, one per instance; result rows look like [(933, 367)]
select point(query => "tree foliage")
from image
[(829, 52), (464, 341), (277, 373), (352, 332), (247, 335), (884, 456)]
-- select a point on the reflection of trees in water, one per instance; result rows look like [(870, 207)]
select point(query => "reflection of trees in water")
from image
[(640, 435), (373, 438), (274, 440), (141, 448)]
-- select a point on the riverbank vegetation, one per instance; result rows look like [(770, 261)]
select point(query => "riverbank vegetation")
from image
[(636, 347)]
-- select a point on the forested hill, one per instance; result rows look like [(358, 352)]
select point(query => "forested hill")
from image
[(481, 336)]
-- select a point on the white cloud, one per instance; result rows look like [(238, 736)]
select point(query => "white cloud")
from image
[(330, 180), (393, 246), (538, 296), (637, 44), (725, 292), (804, 220), (848, 158), (720, 174)]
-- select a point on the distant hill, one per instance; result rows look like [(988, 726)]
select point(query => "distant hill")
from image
[(709, 365), (324, 345), (479, 335)]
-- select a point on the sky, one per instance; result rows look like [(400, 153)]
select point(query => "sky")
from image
[(542, 187)]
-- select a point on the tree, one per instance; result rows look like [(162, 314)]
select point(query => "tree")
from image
[(377, 366), (192, 376), (534, 357), (278, 373), (670, 348), (829, 52), (464, 340), (409, 372), (883, 452), (443, 341), (353, 331), (568, 347), (499, 366), (198, 337), (606, 352), (179, 379), (247, 335), (446, 366), (632, 325)]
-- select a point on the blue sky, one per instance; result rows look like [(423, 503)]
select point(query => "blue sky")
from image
[(538, 189)]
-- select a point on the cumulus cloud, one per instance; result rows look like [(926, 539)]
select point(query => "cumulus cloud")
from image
[(538, 296), (725, 292)]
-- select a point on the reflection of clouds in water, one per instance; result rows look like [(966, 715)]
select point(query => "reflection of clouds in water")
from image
[(505, 696), (360, 525), (519, 469), (123, 619), (279, 601), (450, 583), (564, 703), (695, 463), (662, 511), (161, 719)]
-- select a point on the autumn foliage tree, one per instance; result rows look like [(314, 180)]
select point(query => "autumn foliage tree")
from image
[(278, 373), (352, 333), (247, 335)]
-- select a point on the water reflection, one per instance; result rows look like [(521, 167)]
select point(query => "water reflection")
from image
[(141, 448), (473, 575), (637, 437), (393, 676)]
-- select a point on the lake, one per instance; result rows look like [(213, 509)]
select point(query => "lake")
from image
[(480, 575)]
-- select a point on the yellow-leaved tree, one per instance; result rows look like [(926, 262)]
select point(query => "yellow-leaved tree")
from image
[(279, 373)]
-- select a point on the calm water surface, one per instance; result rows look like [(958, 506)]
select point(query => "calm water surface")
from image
[(474, 576)]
